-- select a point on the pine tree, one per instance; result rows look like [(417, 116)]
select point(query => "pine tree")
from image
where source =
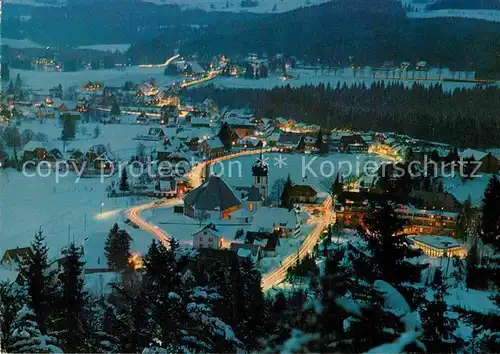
[(115, 110), (96, 132), (388, 246), (117, 249), (2, 325), (437, 280), (337, 187), (465, 219), (163, 276), (127, 322), (226, 135), (25, 336), (72, 327), (12, 298), (124, 187), (255, 320), (473, 277), (69, 129), (320, 144), (286, 196), (18, 84), (40, 281), (438, 327), (490, 216)]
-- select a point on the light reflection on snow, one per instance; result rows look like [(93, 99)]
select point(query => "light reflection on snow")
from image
[(107, 214)]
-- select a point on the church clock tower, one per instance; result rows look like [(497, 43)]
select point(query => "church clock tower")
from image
[(260, 178)]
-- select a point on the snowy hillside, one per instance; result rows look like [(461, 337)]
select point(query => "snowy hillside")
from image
[(488, 15), (260, 6), (419, 11)]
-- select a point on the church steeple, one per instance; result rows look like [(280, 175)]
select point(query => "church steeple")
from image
[(260, 167), (260, 180)]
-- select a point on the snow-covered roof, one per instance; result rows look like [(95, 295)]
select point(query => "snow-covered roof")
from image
[(441, 242), (212, 228), (239, 122), (474, 154), (47, 145), (245, 249), (251, 141), (200, 121), (274, 136), (214, 194), (266, 219), (214, 143), (172, 145), (243, 252)]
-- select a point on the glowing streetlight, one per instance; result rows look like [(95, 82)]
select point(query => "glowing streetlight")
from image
[(102, 204)]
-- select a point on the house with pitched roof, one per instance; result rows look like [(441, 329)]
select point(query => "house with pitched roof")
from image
[(15, 257), (208, 237), (214, 199), (268, 220), (212, 147)]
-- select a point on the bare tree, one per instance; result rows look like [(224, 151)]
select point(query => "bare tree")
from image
[(277, 191), (202, 216), (26, 136), (141, 151)]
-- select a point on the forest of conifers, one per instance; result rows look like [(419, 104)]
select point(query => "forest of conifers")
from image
[(463, 118)]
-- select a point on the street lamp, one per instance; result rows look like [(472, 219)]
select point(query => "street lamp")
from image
[(102, 204)]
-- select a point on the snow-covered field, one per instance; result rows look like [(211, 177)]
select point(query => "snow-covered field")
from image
[(19, 43), (68, 209), (302, 168), (313, 77), (487, 15), (118, 137), (43, 80), (28, 43), (263, 6), (107, 47), (35, 3)]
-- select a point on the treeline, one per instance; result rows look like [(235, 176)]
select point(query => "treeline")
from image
[(463, 118), (358, 32), (465, 4), (103, 21)]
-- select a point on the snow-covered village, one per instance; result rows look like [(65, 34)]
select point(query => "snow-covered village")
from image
[(188, 193)]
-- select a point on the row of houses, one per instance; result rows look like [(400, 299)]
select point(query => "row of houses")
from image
[(89, 159)]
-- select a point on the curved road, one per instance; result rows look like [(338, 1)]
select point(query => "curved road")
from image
[(270, 279)]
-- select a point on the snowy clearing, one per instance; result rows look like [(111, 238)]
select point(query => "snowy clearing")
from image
[(43, 80), (261, 6), (302, 168), (107, 47), (487, 15)]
